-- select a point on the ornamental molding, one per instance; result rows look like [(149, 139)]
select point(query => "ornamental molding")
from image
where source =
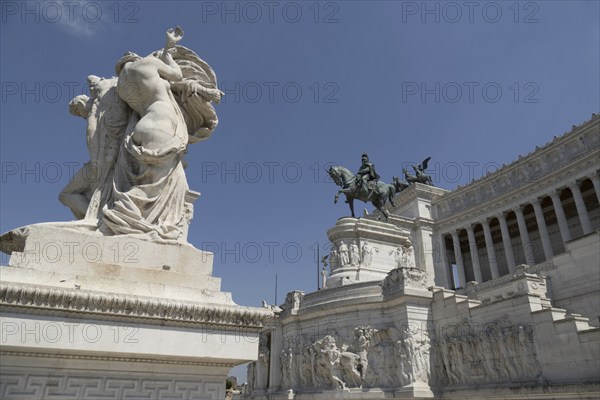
[(87, 357), (37, 299), (366, 229), (404, 223), (24, 383), (472, 212), (419, 191)]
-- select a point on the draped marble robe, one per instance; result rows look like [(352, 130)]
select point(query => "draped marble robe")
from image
[(171, 96)]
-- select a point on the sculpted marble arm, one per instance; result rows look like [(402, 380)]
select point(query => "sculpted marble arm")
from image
[(169, 69), (207, 93)]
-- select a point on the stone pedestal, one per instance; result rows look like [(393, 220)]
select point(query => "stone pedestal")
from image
[(88, 316), (364, 250), (414, 391)]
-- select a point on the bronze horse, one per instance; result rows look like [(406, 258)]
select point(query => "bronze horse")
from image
[(379, 196)]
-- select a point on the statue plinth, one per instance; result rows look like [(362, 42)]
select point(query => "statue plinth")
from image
[(67, 256), (363, 250), (97, 314)]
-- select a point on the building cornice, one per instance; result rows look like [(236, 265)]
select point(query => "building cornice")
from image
[(567, 158), (581, 142), (40, 299), (420, 191), (366, 229), (474, 211)]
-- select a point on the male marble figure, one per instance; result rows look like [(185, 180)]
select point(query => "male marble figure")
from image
[(354, 254), (344, 256), (367, 254), (334, 259), (107, 117)]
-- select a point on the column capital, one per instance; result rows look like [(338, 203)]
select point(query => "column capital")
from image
[(501, 215), (454, 233), (484, 222), (519, 208), (536, 200), (537, 205), (470, 228), (555, 194), (574, 185)]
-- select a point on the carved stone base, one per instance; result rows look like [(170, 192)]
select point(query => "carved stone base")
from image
[(68, 255), (364, 250), (414, 391), (87, 316)]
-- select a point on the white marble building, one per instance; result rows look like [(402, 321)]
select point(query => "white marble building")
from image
[(488, 291)]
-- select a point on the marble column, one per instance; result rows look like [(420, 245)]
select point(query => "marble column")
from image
[(474, 254), (443, 276), (508, 249), (542, 228), (565, 233), (596, 181), (584, 218), (489, 244), (423, 242), (524, 234), (459, 260)]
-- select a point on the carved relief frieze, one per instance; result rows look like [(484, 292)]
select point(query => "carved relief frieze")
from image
[(500, 352)]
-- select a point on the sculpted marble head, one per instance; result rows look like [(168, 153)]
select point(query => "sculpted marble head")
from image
[(78, 106), (127, 57)]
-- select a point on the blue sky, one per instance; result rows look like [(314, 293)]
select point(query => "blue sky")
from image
[(307, 84)]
